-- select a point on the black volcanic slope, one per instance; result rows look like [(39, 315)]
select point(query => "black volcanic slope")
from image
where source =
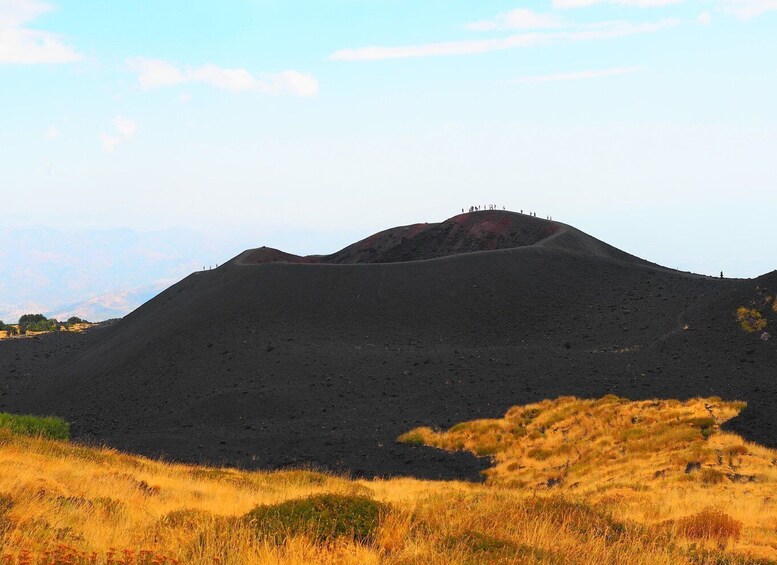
[(274, 360)]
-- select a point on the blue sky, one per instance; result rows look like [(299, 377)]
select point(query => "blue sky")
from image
[(648, 123)]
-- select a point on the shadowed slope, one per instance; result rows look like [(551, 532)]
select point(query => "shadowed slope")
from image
[(281, 364)]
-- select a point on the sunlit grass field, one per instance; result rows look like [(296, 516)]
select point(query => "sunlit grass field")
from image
[(573, 481)]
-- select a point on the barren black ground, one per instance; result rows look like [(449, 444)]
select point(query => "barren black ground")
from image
[(274, 360)]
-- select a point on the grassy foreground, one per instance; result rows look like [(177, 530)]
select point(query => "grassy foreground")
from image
[(574, 481)]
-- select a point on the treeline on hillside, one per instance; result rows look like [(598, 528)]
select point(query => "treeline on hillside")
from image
[(39, 323)]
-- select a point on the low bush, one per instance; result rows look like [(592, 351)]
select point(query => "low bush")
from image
[(750, 319), (48, 426), (710, 524), (490, 549), (321, 518), (706, 426), (711, 476), (576, 516)]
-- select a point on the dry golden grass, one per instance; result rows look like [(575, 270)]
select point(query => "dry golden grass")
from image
[(750, 319), (65, 503), (660, 463)]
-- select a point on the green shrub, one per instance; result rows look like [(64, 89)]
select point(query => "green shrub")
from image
[(37, 323), (48, 427), (490, 549), (321, 518)]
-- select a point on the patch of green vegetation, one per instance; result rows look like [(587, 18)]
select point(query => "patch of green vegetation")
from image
[(412, 438), (491, 549), (188, 518), (302, 477), (706, 426), (43, 426), (539, 454), (577, 517), (37, 323), (321, 518), (486, 450)]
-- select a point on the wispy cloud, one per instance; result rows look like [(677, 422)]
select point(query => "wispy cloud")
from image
[(576, 75), (748, 9), (604, 30), (125, 130), (157, 73), (520, 18), (634, 3), (21, 45)]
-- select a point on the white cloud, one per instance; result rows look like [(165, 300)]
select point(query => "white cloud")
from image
[(577, 75), (634, 3), (185, 98), (125, 126), (22, 45), (125, 130), (13, 13), (520, 18), (604, 30), (53, 133), (156, 73), (743, 9), (748, 9)]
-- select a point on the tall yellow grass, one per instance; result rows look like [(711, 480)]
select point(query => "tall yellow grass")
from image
[(65, 503)]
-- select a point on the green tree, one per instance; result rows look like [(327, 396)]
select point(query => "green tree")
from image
[(37, 323)]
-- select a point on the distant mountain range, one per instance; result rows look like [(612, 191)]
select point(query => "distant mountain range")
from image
[(98, 274), (103, 274), (110, 305)]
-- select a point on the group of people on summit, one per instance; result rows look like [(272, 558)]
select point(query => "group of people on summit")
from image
[(495, 207), (484, 207)]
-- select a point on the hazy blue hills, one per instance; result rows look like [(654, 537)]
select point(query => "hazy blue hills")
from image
[(96, 274), (102, 274)]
